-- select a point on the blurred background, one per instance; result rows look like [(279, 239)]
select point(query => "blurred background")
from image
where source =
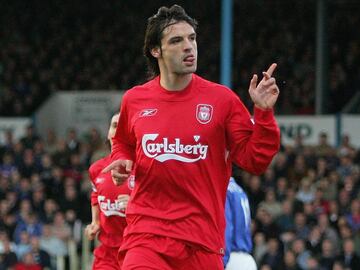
[(64, 66)]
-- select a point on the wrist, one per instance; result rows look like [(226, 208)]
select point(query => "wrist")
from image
[(95, 223), (257, 106)]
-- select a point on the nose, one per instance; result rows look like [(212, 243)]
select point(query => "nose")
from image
[(188, 45)]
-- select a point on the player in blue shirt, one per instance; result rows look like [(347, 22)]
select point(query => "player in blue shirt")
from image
[(238, 240)]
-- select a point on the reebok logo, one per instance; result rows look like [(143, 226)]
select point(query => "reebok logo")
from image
[(173, 150), (148, 112), (99, 180)]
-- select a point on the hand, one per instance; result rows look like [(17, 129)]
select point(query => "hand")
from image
[(91, 230), (123, 200), (265, 94), (120, 170)]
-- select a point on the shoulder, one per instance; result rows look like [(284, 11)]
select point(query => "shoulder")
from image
[(139, 91), (214, 88), (96, 168), (234, 188)]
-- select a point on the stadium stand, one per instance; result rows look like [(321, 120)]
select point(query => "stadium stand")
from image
[(314, 190), (61, 46)]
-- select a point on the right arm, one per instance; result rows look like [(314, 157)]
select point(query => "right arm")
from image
[(94, 227), (123, 148)]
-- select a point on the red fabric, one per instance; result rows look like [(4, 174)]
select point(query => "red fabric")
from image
[(157, 252), (105, 193), (106, 258), (22, 266), (183, 144)]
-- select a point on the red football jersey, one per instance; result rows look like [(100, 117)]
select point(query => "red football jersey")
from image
[(183, 144), (104, 194)]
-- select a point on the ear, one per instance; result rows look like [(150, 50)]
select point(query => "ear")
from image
[(156, 52)]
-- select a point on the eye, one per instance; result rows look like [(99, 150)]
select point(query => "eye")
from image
[(192, 37), (175, 40)]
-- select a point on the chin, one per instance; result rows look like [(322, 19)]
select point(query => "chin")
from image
[(189, 70)]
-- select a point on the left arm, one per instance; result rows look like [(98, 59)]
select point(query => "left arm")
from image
[(253, 143)]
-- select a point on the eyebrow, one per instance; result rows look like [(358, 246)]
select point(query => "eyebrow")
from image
[(181, 37)]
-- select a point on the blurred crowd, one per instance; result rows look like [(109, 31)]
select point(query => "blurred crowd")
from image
[(44, 194), (59, 45), (305, 208)]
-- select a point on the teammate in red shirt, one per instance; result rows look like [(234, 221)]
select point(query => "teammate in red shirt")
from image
[(108, 210), (182, 133)]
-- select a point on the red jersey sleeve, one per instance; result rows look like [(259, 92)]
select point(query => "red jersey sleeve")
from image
[(94, 193), (123, 141), (252, 142)]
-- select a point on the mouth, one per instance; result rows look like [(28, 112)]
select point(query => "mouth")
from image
[(189, 60)]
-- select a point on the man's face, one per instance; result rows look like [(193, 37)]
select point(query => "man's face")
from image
[(112, 128), (178, 54)]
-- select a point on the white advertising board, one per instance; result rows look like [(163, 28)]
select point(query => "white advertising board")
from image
[(17, 125), (350, 125), (81, 110), (308, 127)]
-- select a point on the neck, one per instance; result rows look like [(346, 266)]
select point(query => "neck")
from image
[(175, 82)]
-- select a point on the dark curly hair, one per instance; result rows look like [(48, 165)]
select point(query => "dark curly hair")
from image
[(154, 31)]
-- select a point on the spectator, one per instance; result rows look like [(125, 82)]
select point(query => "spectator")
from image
[(30, 137), (327, 257), (265, 223), (312, 263), (72, 141), (286, 219), (323, 148), (260, 247), (290, 261), (50, 209), (348, 256), (7, 255), (273, 256), (353, 218), (314, 241), (302, 254), (30, 224), (346, 148), (302, 230), (60, 228), (61, 155), (327, 231), (270, 204), (27, 263), (23, 246), (306, 193), (53, 245), (41, 257), (338, 266)]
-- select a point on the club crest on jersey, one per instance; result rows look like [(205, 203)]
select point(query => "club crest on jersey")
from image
[(148, 112), (204, 113)]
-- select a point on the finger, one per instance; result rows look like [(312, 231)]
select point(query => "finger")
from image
[(111, 166), (123, 197), (276, 90), (273, 90), (270, 82), (266, 76), (116, 174), (119, 181), (253, 82), (129, 165), (271, 69)]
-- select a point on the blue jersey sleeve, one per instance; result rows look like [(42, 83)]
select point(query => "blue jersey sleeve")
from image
[(238, 221)]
